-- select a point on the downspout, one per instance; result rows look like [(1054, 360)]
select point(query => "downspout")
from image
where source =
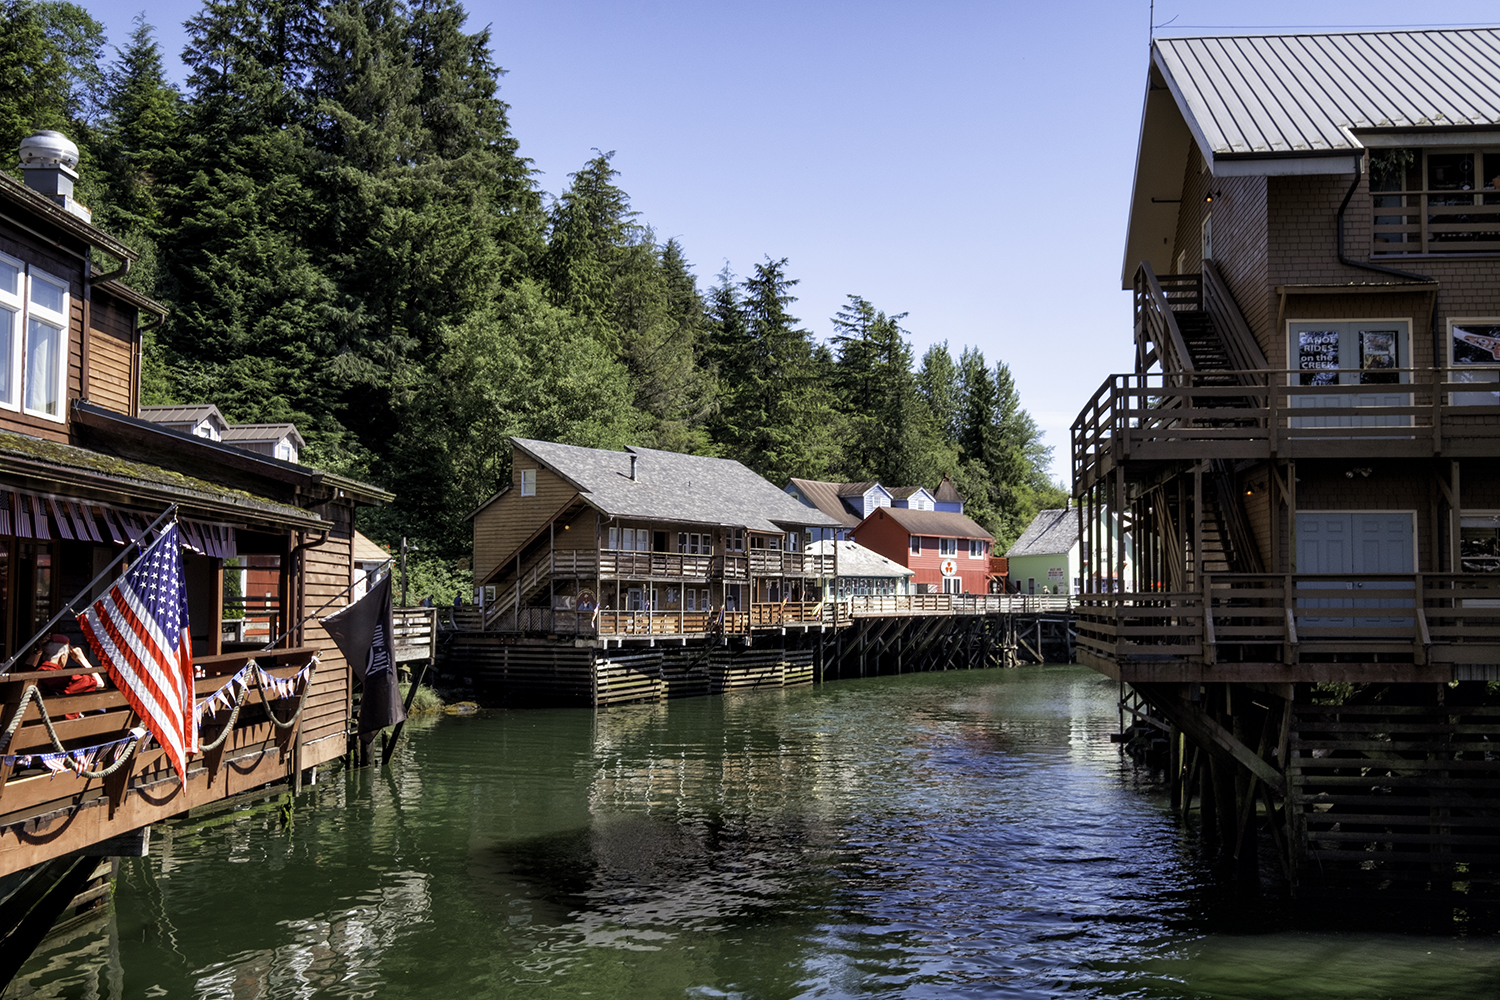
[(1380, 269)]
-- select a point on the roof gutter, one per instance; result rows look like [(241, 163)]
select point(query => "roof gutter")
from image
[(1381, 269)]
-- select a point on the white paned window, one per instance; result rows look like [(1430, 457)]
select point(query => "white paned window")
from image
[(976, 548), (682, 542), (528, 482), (947, 546), (45, 368), (690, 600), (11, 310), (705, 604), (953, 585), (614, 538)]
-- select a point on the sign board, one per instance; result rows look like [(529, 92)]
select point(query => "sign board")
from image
[(950, 567), (1054, 572)]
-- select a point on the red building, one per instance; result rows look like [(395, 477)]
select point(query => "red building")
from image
[(949, 553)]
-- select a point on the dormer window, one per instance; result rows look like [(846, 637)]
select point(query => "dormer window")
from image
[(528, 482)]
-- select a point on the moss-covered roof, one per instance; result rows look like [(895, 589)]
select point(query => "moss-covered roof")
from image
[(121, 475)]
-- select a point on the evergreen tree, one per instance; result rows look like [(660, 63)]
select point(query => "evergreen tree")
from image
[(937, 380)]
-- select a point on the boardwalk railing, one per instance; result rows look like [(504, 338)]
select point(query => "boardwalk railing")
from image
[(1412, 412), (416, 633), (1286, 618)]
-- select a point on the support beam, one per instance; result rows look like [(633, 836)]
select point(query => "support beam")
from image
[(1207, 733)]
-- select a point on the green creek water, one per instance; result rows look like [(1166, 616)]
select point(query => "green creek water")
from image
[(970, 832)]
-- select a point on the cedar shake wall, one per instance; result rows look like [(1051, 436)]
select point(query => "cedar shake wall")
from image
[(1190, 212), (1241, 250)]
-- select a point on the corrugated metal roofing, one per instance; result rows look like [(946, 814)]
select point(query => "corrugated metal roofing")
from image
[(673, 487), (1298, 94), (1050, 533), (181, 414), (261, 432)]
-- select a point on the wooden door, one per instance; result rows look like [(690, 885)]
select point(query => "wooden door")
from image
[(1338, 542)]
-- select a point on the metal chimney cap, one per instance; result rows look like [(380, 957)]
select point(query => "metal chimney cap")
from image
[(49, 149)]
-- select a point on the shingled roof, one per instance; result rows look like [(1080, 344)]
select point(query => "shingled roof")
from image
[(827, 498), (1050, 533), (673, 487), (935, 522)]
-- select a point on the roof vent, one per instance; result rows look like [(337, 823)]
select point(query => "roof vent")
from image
[(49, 162), (633, 460)]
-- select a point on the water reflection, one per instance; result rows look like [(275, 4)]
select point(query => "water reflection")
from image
[(909, 836)]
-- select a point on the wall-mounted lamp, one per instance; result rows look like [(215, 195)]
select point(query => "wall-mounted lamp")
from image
[(1364, 473)]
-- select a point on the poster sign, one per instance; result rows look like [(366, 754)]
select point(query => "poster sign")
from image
[(950, 567), (1377, 357), (1318, 356), (1054, 572)]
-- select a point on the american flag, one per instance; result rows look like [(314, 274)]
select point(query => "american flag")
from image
[(139, 630)]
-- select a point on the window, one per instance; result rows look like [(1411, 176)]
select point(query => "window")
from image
[(704, 604), (690, 600), (682, 541), (1435, 200), (794, 542), (528, 482), (947, 546), (11, 280), (614, 538), (1474, 353), (45, 366), (736, 541), (916, 545), (976, 548), (953, 585)]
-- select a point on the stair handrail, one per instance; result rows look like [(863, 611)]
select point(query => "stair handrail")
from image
[(1161, 312), (1239, 342)]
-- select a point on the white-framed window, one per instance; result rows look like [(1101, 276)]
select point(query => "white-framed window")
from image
[(947, 546), (44, 367), (614, 538), (12, 283), (528, 482), (953, 585), (735, 541), (794, 542), (690, 600), (976, 548), (916, 545), (1474, 355)]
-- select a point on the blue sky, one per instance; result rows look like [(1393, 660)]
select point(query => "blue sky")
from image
[(966, 163)]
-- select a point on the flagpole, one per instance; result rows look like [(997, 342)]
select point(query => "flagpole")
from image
[(71, 609), (353, 583)]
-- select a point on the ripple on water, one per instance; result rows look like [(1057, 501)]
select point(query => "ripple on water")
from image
[(915, 836)]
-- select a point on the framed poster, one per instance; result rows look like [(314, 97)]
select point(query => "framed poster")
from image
[(1474, 351), (1377, 357)]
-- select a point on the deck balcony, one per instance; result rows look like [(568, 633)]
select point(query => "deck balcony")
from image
[(1190, 416), (1281, 628)]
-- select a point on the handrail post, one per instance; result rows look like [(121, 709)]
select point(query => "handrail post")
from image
[(1210, 643)]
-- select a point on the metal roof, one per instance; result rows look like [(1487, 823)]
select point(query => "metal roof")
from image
[(241, 433), (673, 487), (1051, 533), (189, 414), (1302, 94)]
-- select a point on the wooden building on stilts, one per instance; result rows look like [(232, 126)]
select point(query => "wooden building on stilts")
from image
[(84, 483), (1304, 458)]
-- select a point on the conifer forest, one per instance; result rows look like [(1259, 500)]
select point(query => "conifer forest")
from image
[(350, 236)]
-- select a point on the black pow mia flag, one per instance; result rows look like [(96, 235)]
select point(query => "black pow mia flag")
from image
[(363, 632)]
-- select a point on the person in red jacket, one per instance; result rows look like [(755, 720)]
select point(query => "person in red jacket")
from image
[(55, 655)]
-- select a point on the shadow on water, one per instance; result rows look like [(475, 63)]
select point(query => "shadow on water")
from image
[(970, 832)]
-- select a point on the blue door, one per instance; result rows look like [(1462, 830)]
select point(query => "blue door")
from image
[(1332, 543)]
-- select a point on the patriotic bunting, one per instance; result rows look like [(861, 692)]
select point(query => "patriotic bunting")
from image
[(226, 696), (83, 758)]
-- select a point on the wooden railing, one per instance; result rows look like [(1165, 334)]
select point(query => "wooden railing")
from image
[(1410, 222), (1157, 335), (644, 565), (1437, 617), (416, 633), (1166, 416), (65, 811), (251, 621)]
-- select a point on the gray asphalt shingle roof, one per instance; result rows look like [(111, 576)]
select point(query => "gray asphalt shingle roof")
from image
[(1302, 93), (673, 487), (1050, 533)]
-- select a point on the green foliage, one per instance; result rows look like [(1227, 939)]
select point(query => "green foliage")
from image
[(429, 574), (348, 237)]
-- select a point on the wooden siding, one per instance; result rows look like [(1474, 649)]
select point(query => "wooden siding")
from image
[(502, 527), (325, 572), (112, 355)]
